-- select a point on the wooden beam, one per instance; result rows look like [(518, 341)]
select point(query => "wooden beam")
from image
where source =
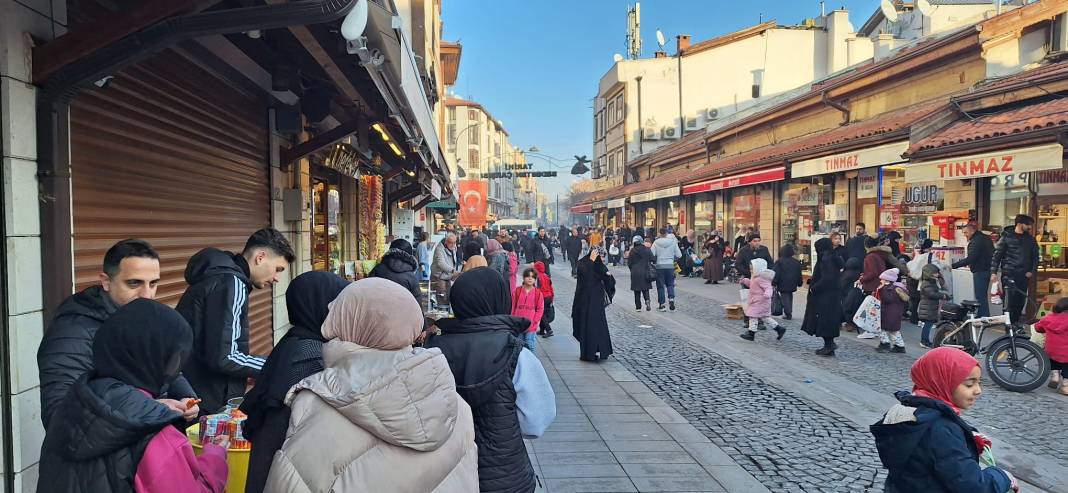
[(405, 193), (318, 142), (88, 38)]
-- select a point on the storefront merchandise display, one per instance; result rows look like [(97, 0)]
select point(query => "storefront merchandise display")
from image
[(372, 230)]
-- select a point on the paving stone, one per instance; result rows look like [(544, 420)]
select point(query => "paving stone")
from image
[(655, 458), (569, 436), (582, 471), (620, 418), (643, 445), (552, 459), (663, 414), (541, 447), (707, 454), (590, 485), (669, 470), (599, 409), (632, 431), (684, 432), (692, 484)]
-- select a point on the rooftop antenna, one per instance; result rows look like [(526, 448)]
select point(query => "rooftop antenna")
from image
[(660, 40), (924, 7), (823, 9), (889, 11), (634, 36)]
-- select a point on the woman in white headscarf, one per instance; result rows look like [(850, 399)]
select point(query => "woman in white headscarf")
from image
[(382, 416)]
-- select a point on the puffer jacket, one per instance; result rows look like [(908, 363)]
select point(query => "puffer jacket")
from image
[(499, 262), (445, 265), (66, 351), (1015, 254), (932, 291), (894, 300), (402, 268), (875, 262), (377, 421), (760, 289), (1055, 326), (666, 250)]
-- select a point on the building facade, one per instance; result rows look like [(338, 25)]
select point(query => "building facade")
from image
[(479, 145)]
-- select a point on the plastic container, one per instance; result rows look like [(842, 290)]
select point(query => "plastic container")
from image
[(236, 461)]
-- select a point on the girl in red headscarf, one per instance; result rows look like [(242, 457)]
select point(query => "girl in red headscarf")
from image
[(923, 441)]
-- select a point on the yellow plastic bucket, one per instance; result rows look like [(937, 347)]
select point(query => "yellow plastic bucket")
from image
[(236, 461)]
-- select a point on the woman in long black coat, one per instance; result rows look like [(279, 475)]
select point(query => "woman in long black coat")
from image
[(823, 313), (640, 263), (596, 286)]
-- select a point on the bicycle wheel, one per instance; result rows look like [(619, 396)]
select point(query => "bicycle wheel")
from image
[(958, 340), (1021, 371)]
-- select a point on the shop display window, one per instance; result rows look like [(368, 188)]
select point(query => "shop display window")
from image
[(704, 214), (922, 210), (673, 213), (326, 225), (650, 217), (1009, 195), (745, 211), (811, 209)]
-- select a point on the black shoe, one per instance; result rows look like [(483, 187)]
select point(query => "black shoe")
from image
[(788, 317), (825, 351), (748, 335), (648, 307), (884, 347), (898, 349), (708, 282), (661, 308), (671, 305), (715, 282), (781, 331)]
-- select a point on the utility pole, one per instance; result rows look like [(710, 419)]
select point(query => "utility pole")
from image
[(682, 118), (558, 207)]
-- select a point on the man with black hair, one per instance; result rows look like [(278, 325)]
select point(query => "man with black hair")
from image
[(980, 254), (1016, 258), (130, 271), (855, 247), (216, 307)]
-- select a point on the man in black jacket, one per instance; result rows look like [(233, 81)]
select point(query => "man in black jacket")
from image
[(1016, 258), (855, 246), (543, 250), (399, 265), (980, 255), (216, 307), (574, 249), (131, 271), (750, 251)]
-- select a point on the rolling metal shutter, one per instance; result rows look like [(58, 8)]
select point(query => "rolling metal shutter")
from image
[(171, 154)]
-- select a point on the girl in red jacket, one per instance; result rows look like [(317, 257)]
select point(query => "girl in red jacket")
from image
[(1055, 326), (546, 285)]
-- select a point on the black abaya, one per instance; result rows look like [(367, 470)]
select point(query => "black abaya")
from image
[(588, 311)]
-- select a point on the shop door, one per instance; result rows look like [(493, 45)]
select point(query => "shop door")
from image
[(170, 154)]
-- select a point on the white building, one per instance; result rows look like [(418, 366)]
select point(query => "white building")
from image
[(478, 144)]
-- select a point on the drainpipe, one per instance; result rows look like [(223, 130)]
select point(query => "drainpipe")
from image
[(846, 112)]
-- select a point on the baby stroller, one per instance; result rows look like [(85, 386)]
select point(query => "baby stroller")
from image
[(698, 265), (731, 270)]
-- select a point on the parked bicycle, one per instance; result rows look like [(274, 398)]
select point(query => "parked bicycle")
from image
[(1011, 359)]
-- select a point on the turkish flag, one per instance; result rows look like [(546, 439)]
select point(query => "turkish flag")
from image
[(473, 195)]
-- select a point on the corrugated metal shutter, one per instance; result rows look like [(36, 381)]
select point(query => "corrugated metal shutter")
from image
[(173, 155)]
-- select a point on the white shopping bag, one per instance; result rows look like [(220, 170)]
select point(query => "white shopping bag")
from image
[(868, 315), (744, 292)]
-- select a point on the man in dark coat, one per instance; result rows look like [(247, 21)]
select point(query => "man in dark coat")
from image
[(216, 307), (131, 271), (543, 249), (562, 237), (640, 262), (980, 256), (625, 235), (787, 279), (1016, 259), (751, 250), (574, 249), (855, 247), (400, 266), (823, 313)]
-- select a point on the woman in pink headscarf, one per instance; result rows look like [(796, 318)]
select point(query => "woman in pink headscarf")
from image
[(923, 441)]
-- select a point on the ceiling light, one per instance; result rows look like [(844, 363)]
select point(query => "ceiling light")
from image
[(396, 150), (381, 131)]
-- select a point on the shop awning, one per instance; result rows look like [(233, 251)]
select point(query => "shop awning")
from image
[(603, 204), (1022, 160), (663, 193), (752, 178), (846, 161), (615, 203), (442, 204), (582, 208)]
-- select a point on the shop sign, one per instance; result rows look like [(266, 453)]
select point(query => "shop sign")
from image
[(836, 212), (753, 178), (868, 184), (582, 208), (1024, 160), (435, 189), (888, 217), (655, 195), (616, 203), (600, 205), (847, 161), (921, 199)]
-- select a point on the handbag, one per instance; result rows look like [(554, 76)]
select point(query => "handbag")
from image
[(650, 273), (744, 293), (549, 313), (776, 303), (609, 290), (868, 316)]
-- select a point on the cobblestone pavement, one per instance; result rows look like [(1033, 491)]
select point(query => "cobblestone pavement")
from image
[(1036, 421), (785, 441)]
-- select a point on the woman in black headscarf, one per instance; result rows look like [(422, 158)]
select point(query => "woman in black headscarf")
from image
[(595, 290), (298, 355), (823, 313), (504, 383), (110, 423)]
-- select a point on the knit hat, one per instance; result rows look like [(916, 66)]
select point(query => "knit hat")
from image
[(890, 275), (637, 239)]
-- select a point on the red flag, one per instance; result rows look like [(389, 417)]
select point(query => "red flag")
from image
[(473, 195)]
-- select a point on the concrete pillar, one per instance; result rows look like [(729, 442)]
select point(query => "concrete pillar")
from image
[(838, 30), (23, 320), (884, 46)]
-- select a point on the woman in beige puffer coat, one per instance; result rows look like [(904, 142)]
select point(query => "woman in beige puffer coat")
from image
[(382, 416)]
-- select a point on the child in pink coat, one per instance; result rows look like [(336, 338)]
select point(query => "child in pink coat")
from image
[(527, 302), (760, 293)]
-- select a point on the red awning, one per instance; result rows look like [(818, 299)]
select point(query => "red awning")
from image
[(582, 208), (751, 178)]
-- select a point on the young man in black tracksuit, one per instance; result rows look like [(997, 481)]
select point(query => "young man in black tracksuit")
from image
[(1016, 259), (216, 307)]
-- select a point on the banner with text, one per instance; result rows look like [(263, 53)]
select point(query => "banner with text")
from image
[(1013, 161)]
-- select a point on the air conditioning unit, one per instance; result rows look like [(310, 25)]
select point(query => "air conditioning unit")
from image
[(712, 113), (670, 132), (691, 123), (650, 134)]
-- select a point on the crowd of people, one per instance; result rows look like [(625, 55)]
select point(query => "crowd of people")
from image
[(362, 368)]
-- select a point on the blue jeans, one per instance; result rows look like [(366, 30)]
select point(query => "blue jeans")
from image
[(925, 333), (531, 340), (665, 278), (981, 284)]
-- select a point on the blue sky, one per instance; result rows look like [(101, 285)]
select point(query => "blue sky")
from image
[(536, 64)]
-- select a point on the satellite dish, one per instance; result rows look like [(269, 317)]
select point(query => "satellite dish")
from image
[(617, 57), (889, 11), (660, 39), (924, 7)]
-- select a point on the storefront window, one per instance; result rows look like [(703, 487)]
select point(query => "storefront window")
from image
[(1051, 231), (649, 217), (326, 226), (1009, 196), (922, 210), (745, 211), (704, 214), (673, 214), (810, 212)]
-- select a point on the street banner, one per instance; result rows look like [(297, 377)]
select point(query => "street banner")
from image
[(473, 206)]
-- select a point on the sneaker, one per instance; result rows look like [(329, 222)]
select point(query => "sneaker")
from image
[(868, 335), (708, 282), (884, 347), (788, 317), (639, 309), (662, 308), (781, 332), (671, 305), (898, 349), (926, 345), (748, 335), (648, 307)]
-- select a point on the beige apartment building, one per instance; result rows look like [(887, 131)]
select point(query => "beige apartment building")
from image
[(478, 144)]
